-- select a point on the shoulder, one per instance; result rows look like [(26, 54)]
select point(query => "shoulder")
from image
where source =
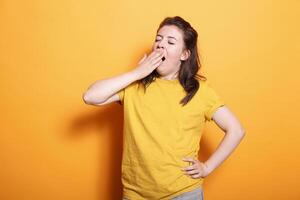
[(205, 86), (210, 94)]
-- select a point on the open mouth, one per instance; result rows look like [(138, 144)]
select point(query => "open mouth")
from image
[(163, 58)]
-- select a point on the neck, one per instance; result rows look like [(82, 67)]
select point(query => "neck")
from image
[(171, 76)]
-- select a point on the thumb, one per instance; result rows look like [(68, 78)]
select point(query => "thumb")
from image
[(144, 57)]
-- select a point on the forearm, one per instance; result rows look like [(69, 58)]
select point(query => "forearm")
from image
[(229, 142), (102, 89)]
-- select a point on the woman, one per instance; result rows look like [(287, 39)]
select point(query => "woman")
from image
[(166, 104)]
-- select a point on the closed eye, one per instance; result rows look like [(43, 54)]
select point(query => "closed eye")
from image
[(168, 42)]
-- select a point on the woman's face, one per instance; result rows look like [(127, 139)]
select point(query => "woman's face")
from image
[(169, 38)]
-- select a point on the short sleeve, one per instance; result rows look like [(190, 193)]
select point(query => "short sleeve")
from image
[(127, 93), (121, 96), (213, 101)]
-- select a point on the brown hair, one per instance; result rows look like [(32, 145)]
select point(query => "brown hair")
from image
[(188, 69)]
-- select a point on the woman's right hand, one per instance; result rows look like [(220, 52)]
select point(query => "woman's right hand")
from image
[(149, 63)]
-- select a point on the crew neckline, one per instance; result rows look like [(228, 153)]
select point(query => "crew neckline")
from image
[(167, 81)]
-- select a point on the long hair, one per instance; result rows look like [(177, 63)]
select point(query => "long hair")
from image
[(187, 75)]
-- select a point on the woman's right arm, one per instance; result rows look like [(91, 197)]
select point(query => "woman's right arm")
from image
[(105, 91), (102, 90)]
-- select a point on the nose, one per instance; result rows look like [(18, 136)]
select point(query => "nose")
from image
[(160, 45)]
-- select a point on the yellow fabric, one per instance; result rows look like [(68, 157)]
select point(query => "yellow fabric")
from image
[(158, 133)]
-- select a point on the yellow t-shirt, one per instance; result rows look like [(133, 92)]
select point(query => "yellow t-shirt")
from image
[(158, 133)]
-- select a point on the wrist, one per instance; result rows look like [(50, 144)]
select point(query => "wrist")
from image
[(209, 167), (135, 74)]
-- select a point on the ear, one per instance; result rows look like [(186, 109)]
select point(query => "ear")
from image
[(185, 55)]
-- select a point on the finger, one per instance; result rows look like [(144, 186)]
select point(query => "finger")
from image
[(157, 60), (156, 51), (195, 176), (189, 168), (192, 172), (144, 57), (155, 65), (156, 56), (189, 159)]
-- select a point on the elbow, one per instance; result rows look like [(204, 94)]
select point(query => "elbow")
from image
[(91, 99), (237, 132), (86, 98), (241, 132)]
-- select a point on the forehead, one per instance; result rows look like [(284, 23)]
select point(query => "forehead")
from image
[(170, 30)]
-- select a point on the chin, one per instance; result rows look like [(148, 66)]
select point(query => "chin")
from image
[(160, 69)]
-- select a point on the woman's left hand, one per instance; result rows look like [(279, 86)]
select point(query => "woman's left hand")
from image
[(197, 169)]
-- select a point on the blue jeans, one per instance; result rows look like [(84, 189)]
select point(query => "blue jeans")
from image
[(196, 194)]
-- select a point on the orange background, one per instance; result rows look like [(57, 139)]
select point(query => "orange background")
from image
[(53, 146)]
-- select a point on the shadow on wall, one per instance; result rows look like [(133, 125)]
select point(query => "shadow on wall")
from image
[(206, 149), (109, 118)]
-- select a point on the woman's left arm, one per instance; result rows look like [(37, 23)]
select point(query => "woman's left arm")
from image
[(234, 133)]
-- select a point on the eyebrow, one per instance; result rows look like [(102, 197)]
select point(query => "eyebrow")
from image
[(168, 36)]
